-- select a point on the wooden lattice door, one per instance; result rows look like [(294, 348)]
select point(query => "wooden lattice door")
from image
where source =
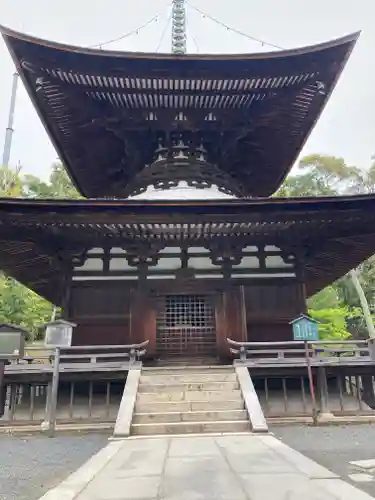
[(185, 325)]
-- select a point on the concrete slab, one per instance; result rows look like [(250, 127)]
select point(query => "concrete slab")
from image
[(364, 464), (360, 477), (233, 467)]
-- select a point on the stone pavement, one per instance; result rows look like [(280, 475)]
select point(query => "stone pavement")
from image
[(222, 467)]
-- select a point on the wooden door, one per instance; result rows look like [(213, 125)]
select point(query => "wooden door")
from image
[(185, 326)]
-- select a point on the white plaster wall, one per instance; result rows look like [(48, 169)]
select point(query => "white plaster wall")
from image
[(273, 261), (182, 192), (91, 264)]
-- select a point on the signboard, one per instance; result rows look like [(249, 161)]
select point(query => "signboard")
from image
[(305, 329), (12, 340), (59, 333)]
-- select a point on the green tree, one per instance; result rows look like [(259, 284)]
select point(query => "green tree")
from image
[(332, 323), (328, 298), (21, 306), (323, 175), (10, 182), (18, 304), (59, 185)]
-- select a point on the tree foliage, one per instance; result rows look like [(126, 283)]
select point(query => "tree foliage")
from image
[(59, 185), (19, 305), (332, 322)]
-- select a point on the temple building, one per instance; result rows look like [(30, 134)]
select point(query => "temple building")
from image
[(180, 240)]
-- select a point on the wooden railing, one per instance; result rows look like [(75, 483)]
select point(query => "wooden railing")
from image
[(61, 359), (298, 352), (81, 354)]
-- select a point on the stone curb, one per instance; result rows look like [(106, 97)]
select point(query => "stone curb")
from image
[(340, 420), (60, 429), (304, 464), (76, 482), (253, 406), (126, 410)]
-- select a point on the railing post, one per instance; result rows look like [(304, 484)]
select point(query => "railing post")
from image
[(371, 348), (323, 390), (53, 396), (311, 384), (243, 353), (132, 355), (2, 387)]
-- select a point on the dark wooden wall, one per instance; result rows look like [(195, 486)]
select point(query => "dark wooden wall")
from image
[(114, 313), (101, 311), (271, 307)]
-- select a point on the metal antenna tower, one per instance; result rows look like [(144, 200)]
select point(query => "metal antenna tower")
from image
[(178, 27), (9, 130)]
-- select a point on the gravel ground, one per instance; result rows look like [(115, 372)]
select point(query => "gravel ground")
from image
[(334, 447), (31, 465)]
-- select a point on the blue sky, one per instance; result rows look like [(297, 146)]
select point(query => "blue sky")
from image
[(346, 127)]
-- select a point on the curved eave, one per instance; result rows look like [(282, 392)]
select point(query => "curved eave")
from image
[(93, 183), (333, 234), (9, 33), (308, 204)]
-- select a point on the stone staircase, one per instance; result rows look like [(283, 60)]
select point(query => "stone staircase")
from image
[(189, 399)]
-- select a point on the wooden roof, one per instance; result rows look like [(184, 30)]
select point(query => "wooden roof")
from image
[(38, 238), (105, 111)]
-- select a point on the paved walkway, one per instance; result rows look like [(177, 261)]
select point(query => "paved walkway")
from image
[(235, 467)]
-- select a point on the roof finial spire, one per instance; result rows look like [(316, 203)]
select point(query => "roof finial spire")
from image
[(178, 27)]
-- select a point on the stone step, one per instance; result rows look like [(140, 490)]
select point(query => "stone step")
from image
[(191, 427), (172, 370), (149, 397), (185, 387), (186, 378), (186, 406), (190, 416)]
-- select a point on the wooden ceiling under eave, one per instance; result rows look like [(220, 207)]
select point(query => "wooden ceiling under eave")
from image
[(104, 111), (37, 237)]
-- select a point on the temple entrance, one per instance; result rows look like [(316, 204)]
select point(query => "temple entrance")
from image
[(185, 326)]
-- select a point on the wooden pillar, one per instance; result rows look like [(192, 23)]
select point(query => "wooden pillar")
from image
[(66, 295), (221, 327), (234, 313), (143, 321), (300, 272), (243, 314), (230, 319)]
